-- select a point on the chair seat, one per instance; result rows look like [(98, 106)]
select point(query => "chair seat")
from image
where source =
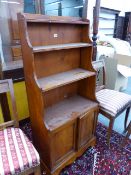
[(112, 102), (17, 153)]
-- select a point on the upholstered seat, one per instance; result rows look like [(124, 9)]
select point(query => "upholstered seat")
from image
[(17, 153), (112, 101)]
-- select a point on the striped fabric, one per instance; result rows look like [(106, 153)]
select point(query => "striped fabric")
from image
[(112, 101), (17, 153)]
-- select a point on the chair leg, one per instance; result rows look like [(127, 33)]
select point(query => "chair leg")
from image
[(37, 171), (128, 130), (126, 117), (110, 131)]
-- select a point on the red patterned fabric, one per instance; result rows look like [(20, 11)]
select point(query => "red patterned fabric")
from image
[(17, 153)]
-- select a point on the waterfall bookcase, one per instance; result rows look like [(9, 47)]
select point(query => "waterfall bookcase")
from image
[(60, 83)]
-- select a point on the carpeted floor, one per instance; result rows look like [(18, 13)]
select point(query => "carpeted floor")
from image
[(113, 161), (99, 160)]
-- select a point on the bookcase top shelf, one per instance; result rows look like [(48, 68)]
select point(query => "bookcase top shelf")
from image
[(59, 22), (67, 110), (60, 46), (38, 18), (60, 79)]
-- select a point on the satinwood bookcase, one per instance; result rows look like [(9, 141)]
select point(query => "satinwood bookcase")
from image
[(60, 83)]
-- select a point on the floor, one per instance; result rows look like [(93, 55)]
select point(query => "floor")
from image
[(119, 122)]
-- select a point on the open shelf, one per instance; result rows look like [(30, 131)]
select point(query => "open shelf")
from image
[(60, 79), (58, 22), (104, 18), (12, 65), (37, 18), (59, 47), (66, 110)]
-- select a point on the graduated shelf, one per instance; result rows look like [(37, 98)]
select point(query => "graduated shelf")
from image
[(60, 79), (67, 110), (59, 47), (38, 18)]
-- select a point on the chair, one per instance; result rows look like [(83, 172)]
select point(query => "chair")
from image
[(17, 154), (111, 103)]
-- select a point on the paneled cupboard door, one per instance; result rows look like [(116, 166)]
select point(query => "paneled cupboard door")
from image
[(86, 127)]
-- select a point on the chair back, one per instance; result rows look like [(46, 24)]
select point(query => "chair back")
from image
[(6, 86), (99, 66)]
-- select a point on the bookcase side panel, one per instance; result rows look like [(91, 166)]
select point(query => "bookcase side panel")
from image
[(35, 102)]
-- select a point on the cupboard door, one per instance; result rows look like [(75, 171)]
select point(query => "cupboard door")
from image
[(86, 127), (63, 143)]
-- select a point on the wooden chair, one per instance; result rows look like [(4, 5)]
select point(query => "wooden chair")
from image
[(17, 154), (111, 103)]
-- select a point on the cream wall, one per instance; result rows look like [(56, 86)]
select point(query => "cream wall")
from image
[(113, 4), (126, 6)]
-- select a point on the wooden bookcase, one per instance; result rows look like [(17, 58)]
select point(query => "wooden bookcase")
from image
[(60, 85)]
